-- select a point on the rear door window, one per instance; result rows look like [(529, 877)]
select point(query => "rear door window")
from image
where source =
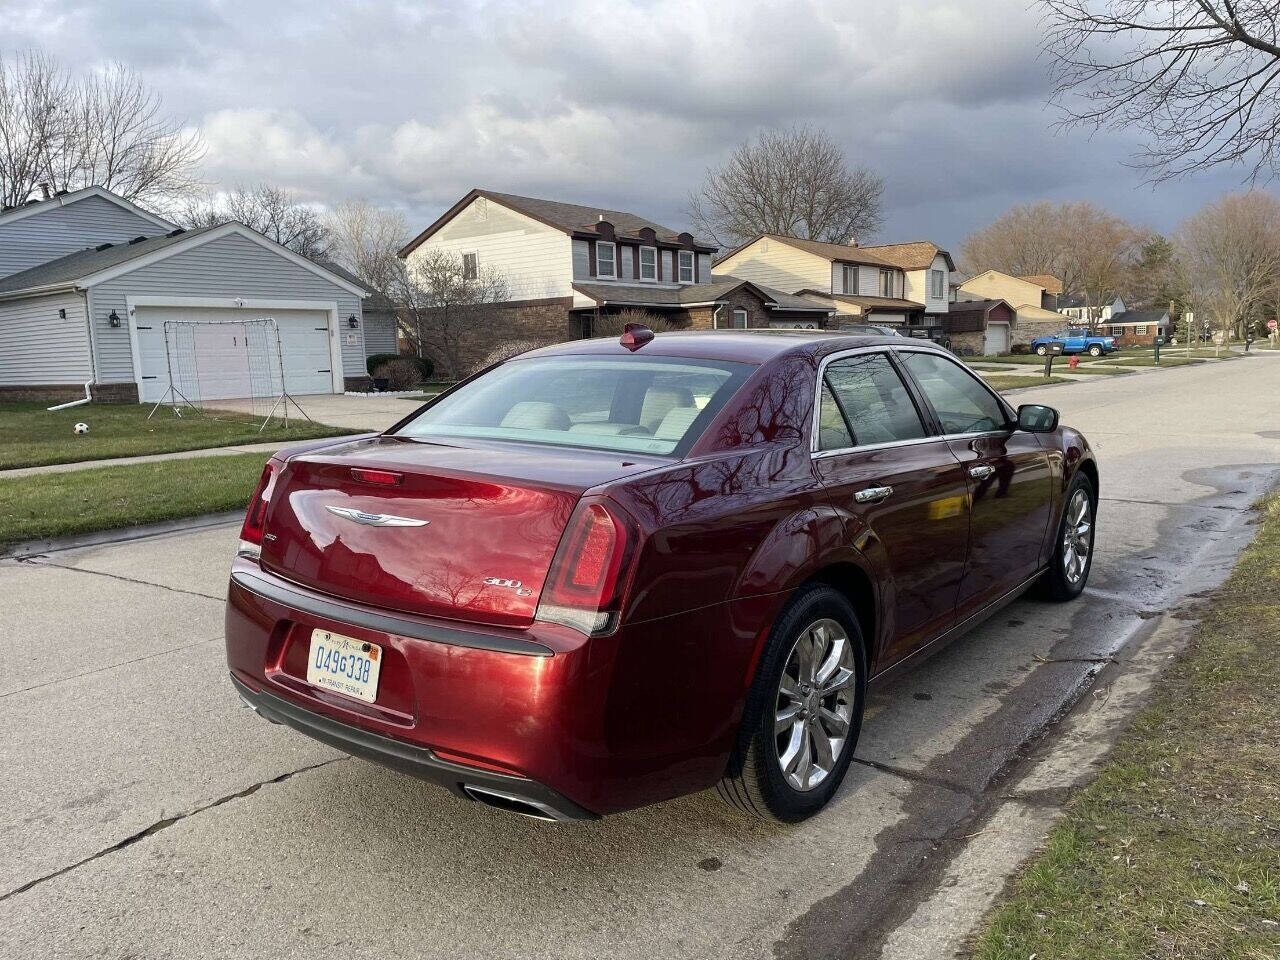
[(865, 395)]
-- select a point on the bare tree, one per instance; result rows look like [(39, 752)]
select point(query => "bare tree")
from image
[(274, 212), (35, 96), (794, 182), (107, 129), (1088, 249), (367, 240), (1198, 76), (443, 301), (1231, 253)]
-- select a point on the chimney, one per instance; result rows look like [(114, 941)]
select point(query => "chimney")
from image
[(46, 193)]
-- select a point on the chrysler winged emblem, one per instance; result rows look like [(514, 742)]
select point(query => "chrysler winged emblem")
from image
[(376, 519)]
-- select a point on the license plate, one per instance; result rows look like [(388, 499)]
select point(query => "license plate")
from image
[(344, 665)]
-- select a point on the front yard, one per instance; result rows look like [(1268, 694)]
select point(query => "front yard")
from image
[(1174, 851), (106, 498), (31, 436)]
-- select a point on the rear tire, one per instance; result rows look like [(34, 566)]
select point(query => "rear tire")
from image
[(1073, 551), (1095, 351), (1041, 350), (809, 688)]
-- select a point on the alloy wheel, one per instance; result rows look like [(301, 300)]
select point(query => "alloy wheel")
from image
[(814, 704), (1077, 537)]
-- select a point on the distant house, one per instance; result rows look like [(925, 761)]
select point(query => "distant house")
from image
[(566, 265), (1138, 327), (981, 327), (1073, 305), (900, 284), (88, 281), (1030, 297)]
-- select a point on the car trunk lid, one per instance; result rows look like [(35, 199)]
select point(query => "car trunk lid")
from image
[(465, 531)]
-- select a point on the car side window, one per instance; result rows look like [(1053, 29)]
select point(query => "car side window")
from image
[(962, 402), (864, 401)]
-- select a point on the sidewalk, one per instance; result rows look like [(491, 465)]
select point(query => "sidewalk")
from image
[(148, 458)]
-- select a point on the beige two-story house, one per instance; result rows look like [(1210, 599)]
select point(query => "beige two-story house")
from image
[(860, 284), (565, 265)]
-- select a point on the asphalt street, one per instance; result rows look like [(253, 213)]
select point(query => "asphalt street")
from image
[(145, 813)]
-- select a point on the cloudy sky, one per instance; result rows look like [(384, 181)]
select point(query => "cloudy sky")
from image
[(622, 104)]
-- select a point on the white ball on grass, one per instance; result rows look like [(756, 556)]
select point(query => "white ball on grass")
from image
[(81, 428)]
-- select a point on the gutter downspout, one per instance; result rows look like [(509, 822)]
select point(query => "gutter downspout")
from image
[(715, 315), (93, 362)]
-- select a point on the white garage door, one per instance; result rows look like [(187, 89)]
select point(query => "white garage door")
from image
[(223, 355), (996, 339)]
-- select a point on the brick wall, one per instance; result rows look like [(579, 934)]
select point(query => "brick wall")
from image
[(1026, 331), (537, 322), (968, 344), (53, 393)]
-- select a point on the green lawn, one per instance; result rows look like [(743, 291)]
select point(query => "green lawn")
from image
[(31, 436), (1147, 360), (1006, 381), (1173, 853), (1032, 359), (104, 498)]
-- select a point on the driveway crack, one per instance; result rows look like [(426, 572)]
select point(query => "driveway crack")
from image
[(165, 824), (911, 776), (39, 560)]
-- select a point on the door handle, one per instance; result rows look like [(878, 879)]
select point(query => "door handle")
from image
[(981, 471), (873, 494)]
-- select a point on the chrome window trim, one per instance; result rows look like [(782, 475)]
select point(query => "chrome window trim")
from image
[(885, 348)]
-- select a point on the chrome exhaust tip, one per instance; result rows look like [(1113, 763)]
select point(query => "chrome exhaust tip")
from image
[(511, 803)]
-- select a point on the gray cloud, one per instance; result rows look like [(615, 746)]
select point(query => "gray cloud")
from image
[(623, 103)]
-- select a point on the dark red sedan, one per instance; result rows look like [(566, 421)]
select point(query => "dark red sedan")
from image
[(608, 573)]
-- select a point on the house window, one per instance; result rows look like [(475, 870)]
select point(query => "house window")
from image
[(470, 266), (648, 263), (849, 276), (886, 283), (935, 284), (1140, 330), (739, 319), (686, 266), (606, 259)]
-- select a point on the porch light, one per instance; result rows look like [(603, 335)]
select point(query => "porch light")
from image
[(352, 322), (113, 318)]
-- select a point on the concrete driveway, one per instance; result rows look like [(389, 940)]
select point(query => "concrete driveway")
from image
[(372, 412), (144, 813)]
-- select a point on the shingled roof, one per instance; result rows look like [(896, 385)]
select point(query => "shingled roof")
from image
[(915, 255), (573, 218), (643, 295), (1051, 284), (844, 252)]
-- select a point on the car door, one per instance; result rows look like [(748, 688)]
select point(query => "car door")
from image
[(901, 492), (1074, 342), (1009, 477)]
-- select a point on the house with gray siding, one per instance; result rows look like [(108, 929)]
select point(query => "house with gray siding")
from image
[(94, 314)]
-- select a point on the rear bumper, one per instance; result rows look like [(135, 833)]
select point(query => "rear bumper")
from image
[(519, 794), (580, 726)]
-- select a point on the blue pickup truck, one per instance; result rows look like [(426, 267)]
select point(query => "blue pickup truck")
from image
[(1075, 340)]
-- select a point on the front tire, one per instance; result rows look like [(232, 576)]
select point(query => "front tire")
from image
[(1073, 554), (1041, 350), (1095, 351), (803, 713)]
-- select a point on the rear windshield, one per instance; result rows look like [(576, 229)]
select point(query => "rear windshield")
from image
[(657, 406)]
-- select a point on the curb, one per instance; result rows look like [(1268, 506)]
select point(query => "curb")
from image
[(35, 548)]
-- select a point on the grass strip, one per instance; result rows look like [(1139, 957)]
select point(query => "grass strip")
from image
[(105, 498), (1174, 851), (31, 436)]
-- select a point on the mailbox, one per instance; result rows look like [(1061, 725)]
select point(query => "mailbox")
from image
[(1051, 350)]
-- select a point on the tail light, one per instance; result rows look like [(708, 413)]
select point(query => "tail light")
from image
[(589, 571), (255, 517)]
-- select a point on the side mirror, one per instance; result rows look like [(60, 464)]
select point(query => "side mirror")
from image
[(1037, 418)]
